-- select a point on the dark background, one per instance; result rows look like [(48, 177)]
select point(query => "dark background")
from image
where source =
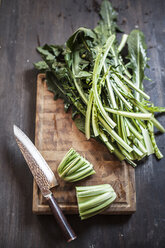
[(23, 25)]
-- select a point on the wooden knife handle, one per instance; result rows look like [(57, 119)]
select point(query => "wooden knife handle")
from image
[(61, 219)]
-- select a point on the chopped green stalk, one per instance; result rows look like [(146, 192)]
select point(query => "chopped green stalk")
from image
[(110, 147), (122, 133), (102, 207), (129, 82), (127, 129), (115, 135), (115, 57), (123, 42), (80, 174), (101, 108), (70, 155), (97, 190), (131, 162), (94, 199), (125, 153), (140, 145), (147, 141), (94, 188), (139, 123), (69, 166), (121, 97), (78, 166), (123, 129), (106, 141), (155, 122), (96, 72), (119, 155), (129, 114), (74, 167), (133, 130), (110, 90), (121, 85), (98, 208), (106, 48), (95, 121), (138, 151), (88, 115), (80, 92), (158, 153)]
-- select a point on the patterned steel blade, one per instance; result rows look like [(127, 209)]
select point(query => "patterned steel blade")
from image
[(42, 173)]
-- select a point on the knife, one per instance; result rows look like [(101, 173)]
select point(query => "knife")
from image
[(44, 178)]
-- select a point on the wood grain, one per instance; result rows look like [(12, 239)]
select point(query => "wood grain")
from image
[(56, 133)]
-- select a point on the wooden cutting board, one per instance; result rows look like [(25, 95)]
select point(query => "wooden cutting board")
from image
[(55, 134)]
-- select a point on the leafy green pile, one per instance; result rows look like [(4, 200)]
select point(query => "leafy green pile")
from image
[(94, 199), (74, 167), (104, 88)]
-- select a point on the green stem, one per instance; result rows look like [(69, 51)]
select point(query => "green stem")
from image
[(80, 91), (95, 121), (88, 115), (115, 135), (121, 97), (133, 130), (158, 153), (129, 82), (110, 90), (96, 72), (130, 114), (147, 141), (106, 141), (155, 122)]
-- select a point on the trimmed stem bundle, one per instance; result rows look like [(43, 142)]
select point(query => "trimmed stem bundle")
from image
[(74, 167), (94, 199)]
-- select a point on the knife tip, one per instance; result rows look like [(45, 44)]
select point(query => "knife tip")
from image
[(15, 129)]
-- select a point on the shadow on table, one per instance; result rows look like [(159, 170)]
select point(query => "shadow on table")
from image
[(85, 230)]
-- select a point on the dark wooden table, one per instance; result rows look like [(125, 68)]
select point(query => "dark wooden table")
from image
[(24, 25)]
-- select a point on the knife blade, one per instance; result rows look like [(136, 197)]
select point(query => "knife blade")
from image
[(44, 178)]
